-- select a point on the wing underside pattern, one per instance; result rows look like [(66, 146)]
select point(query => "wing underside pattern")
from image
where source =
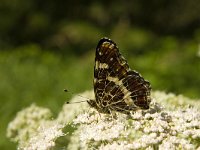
[(116, 86)]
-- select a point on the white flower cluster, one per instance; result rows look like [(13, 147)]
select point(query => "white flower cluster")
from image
[(172, 122), (175, 126), (45, 137), (26, 123), (33, 129)]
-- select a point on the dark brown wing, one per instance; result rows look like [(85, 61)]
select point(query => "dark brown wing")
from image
[(116, 86)]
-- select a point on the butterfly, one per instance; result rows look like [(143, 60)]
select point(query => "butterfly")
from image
[(116, 86)]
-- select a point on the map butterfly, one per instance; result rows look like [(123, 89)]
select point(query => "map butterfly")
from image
[(116, 86)]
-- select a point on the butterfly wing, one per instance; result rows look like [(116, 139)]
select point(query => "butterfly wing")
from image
[(116, 86)]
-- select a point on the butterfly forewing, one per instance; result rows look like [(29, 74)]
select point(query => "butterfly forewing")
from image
[(116, 86)]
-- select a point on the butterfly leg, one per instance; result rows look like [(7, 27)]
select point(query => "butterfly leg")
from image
[(88, 112), (98, 118), (113, 114)]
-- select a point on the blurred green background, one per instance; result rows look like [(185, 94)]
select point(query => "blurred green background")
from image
[(46, 46)]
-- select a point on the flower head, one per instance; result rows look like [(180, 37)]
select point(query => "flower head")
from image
[(172, 122)]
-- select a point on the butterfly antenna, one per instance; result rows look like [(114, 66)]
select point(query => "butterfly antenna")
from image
[(65, 90)]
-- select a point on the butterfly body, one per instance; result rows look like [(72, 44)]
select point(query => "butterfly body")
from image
[(116, 86)]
